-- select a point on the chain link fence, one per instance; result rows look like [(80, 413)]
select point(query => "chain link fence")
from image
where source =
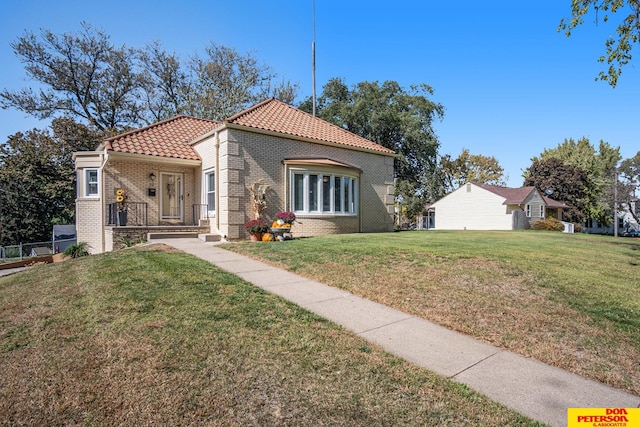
[(25, 250)]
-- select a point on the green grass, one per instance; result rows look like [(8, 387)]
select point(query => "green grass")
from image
[(146, 337), (567, 300)]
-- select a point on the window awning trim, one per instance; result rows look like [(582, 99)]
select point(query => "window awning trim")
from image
[(319, 161)]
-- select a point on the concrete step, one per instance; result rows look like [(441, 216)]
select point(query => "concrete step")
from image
[(210, 237), (171, 235)]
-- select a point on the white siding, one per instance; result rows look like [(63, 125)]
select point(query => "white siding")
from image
[(477, 209)]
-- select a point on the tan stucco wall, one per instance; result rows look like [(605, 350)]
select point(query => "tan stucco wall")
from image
[(207, 151)]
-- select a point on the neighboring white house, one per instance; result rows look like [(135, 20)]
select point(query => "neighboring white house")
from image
[(626, 222), (476, 206)]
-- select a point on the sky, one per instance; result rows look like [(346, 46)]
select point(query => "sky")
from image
[(511, 84)]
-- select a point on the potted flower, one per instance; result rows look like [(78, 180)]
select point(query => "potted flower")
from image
[(255, 228), (286, 217)]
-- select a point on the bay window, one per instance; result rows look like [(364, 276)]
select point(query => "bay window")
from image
[(324, 193)]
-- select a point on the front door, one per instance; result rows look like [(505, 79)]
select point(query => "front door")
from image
[(171, 197)]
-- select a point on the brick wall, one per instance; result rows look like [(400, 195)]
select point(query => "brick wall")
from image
[(134, 176), (246, 157), (125, 236), (88, 223)]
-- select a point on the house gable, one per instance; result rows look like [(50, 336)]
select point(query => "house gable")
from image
[(472, 207)]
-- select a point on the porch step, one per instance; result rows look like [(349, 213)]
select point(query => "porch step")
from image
[(210, 237), (171, 235)]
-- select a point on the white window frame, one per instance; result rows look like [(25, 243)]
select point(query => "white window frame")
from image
[(542, 212), (527, 210), (87, 183), (348, 206), (210, 191)]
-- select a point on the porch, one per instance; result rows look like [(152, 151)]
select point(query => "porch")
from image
[(118, 237), (130, 226), (136, 214)]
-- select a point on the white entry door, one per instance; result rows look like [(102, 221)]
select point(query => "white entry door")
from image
[(171, 196)]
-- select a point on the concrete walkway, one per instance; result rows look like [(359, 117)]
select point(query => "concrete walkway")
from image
[(532, 388)]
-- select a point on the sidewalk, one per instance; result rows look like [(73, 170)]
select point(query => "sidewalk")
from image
[(532, 388)]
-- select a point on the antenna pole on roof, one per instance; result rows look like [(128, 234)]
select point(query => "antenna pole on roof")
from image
[(313, 59)]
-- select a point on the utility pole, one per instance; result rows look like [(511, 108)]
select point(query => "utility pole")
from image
[(615, 205), (313, 58)]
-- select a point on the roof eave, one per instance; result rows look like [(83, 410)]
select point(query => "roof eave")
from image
[(155, 159)]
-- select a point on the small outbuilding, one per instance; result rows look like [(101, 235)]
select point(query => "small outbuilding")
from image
[(40, 251)]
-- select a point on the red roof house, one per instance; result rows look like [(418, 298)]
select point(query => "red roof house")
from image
[(204, 177)]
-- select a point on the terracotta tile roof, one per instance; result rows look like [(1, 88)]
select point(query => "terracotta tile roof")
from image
[(169, 138), (276, 116), (517, 196)]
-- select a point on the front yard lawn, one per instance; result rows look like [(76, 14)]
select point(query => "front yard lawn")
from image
[(569, 300), (145, 337)]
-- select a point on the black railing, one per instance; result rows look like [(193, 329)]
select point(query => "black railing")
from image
[(133, 214), (200, 212)]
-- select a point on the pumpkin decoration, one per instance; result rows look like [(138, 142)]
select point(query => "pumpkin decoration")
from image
[(267, 237), (278, 223)]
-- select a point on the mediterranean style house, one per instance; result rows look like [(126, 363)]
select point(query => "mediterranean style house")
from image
[(476, 206), (189, 175)]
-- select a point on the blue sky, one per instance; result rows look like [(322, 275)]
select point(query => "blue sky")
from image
[(510, 83)]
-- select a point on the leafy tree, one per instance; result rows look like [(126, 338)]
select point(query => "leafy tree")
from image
[(471, 168), (630, 185), (395, 118), (617, 49), (84, 76), (561, 182), (600, 167), (409, 203), (226, 83), (388, 115), (168, 88), (37, 180)]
